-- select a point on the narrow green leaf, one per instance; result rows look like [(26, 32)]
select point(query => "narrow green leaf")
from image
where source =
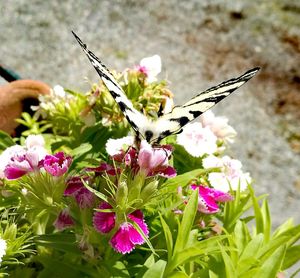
[(187, 222), (178, 274), (156, 270), (230, 267), (82, 149), (201, 248), (272, 265), (252, 248), (257, 213), (292, 256), (168, 237), (240, 236), (267, 220), (184, 179)]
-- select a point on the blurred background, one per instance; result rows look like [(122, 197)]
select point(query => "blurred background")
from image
[(201, 43)]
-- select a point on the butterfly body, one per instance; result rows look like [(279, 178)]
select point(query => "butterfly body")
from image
[(170, 123)]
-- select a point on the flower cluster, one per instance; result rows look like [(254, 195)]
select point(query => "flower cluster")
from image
[(180, 199)]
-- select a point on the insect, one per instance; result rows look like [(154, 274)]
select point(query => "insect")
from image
[(170, 123)]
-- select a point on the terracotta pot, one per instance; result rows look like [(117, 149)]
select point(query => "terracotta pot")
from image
[(12, 98)]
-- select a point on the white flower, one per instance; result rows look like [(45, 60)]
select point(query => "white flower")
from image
[(34, 140), (231, 173), (115, 146), (3, 247), (197, 140), (151, 66), (59, 91), (219, 126)]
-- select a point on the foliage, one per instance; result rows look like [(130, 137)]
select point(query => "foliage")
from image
[(75, 202)]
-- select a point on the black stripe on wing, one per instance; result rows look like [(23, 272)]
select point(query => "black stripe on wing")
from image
[(134, 117), (192, 109)]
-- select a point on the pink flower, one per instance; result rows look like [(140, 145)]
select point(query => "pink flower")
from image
[(197, 140), (155, 160), (104, 222), (208, 198), (57, 164), (76, 189), (126, 237), (63, 220)]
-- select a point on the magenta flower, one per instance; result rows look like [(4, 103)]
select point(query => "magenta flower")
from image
[(63, 220), (155, 160), (208, 198), (76, 189), (57, 164), (126, 237), (104, 222)]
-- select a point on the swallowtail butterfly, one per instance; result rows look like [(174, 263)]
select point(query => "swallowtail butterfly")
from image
[(170, 123)]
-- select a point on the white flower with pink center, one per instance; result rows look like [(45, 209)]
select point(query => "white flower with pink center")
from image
[(197, 140), (6, 156), (218, 125), (151, 67), (231, 173), (17, 160)]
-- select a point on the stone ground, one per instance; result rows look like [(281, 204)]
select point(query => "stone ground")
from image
[(201, 43)]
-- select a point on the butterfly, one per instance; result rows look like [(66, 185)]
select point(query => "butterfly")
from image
[(171, 123)]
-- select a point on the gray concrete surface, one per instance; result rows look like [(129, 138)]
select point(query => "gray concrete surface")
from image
[(201, 43)]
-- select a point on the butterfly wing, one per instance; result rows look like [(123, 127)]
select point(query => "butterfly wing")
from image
[(136, 119), (173, 122)]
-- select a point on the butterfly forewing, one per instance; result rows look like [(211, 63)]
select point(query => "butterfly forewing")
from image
[(136, 119), (181, 115)]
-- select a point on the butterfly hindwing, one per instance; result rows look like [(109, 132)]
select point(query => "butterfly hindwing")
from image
[(134, 117)]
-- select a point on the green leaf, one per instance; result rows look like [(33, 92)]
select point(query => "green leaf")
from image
[(184, 179), (252, 248), (5, 141), (241, 236), (59, 241), (156, 270), (292, 256), (257, 213), (230, 267), (178, 274), (168, 237), (201, 248), (272, 265), (82, 149), (187, 222), (183, 161), (267, 220)]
